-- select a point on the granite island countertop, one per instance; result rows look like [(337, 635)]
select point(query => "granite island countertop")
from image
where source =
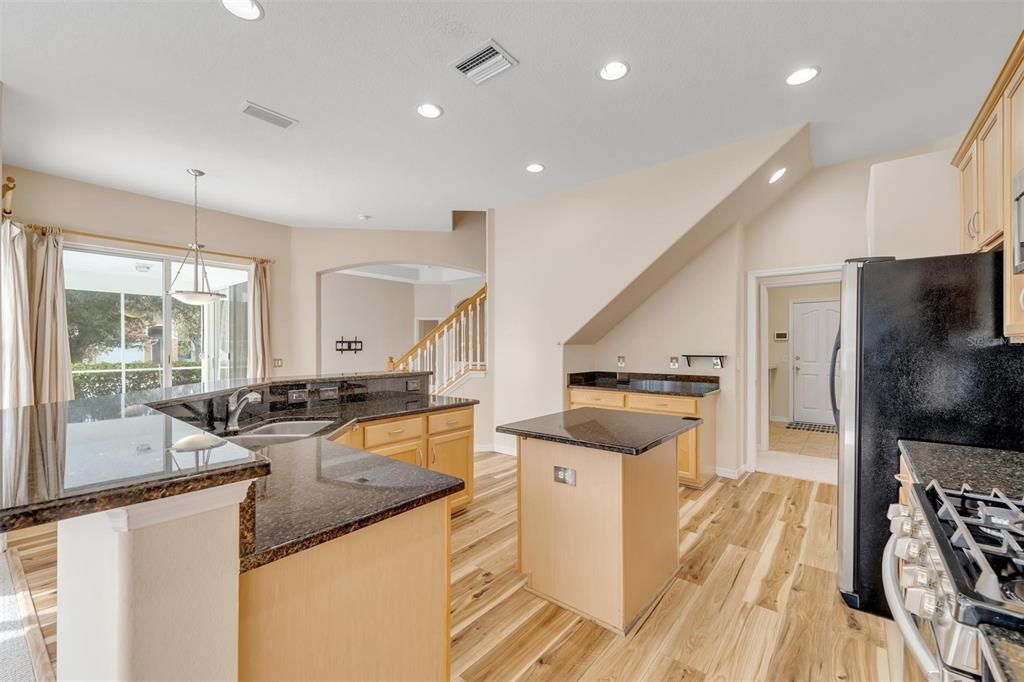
[(954, 465), (93, 454), (319, 490), (634, 382), (627, 433)]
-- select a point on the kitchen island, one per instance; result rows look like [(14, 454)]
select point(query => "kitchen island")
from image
[(598, 509), (153, 496)]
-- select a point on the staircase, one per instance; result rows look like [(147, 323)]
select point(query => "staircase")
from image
[(453, 349)]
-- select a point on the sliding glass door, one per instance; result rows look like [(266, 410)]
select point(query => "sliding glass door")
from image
[(117, 307)]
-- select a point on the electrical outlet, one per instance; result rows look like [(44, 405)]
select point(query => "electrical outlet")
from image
[(278, 362), (673, 362), (565, 475), (621, 361)]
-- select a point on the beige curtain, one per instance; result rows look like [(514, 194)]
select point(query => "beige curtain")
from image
[(15, 338), (48, 321), (35, 358), (259, 321)]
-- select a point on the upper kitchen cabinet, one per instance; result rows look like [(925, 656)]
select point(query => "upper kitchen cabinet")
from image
[(1013, 203), (990, 159)]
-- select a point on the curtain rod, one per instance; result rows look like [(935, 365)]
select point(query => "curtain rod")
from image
[(141, 242)]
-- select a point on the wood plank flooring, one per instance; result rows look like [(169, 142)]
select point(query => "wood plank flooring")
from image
[(754, 598)]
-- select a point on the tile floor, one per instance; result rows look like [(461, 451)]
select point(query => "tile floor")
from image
[(797, 442)]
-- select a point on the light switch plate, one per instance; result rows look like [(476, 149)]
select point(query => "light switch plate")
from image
[(673, 362), (621, 361), (565, 475)]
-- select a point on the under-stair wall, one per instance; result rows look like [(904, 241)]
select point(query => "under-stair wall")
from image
[(596, 252)]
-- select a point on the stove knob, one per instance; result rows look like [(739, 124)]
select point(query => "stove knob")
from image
[(909, 549), (896, 510), (915, 576), (922, 602), (901, 525)]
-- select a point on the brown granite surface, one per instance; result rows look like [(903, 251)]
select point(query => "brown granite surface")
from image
[(690, 385), (627, 433), (319, 490), (1007, 649)]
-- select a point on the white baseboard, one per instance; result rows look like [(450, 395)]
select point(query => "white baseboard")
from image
[(783, 418), (729, 473)]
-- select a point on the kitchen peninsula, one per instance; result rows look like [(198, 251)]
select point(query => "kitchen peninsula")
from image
[(598, 509), (154, 498)]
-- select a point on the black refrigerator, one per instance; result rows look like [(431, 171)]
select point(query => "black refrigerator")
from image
[(920, 355)]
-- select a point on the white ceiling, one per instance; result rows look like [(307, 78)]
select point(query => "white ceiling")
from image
[(129, 94)]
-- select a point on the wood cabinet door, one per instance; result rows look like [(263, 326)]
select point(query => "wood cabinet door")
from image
[(1013, 136), (969, 200), (452, 454), (688, 456), (352, 437), (410, 453), (989, 221)]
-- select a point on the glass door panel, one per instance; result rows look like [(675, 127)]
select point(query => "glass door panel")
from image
[(115, 322)]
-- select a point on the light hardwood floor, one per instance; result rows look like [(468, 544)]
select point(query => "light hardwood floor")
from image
[(754, 599)]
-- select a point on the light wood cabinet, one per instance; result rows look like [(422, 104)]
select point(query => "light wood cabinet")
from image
[(695, 449), (989, 221), (448, 448), (452, 454), (1013, 140), (989, 157), (969, 200)]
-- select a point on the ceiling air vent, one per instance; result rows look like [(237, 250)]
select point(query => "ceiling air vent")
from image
[(267, 115), (486, 62)]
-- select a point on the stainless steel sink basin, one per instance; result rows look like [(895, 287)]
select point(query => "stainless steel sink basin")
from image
[(278, 432)]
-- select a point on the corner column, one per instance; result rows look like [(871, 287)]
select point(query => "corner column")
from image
[(150, 591)]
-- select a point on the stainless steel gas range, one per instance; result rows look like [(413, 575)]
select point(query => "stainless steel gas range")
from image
[(952, 563)]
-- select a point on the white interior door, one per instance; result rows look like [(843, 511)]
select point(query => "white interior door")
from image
[(813, 327)]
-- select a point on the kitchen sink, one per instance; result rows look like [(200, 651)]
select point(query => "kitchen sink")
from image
[(278, 432)]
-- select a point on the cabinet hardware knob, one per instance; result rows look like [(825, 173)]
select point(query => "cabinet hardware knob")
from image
[(433, 455), (395, 431), (419, 456), (1020, 299), (452, 422)]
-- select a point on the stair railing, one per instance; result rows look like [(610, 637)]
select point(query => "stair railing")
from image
[(452, 349)]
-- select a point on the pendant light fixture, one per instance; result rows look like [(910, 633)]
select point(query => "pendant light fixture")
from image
[(200, 293)]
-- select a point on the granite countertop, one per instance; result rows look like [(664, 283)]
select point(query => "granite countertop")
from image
[(634, 382), (67, 459), (1006, 648), (954, 465), (319, 490), (627, 433)]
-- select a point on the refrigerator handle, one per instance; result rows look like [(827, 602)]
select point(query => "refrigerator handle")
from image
[(832, 378)]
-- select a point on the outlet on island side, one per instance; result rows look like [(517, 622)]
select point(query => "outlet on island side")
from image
[(620, 361), (277, 362), (565, 475)]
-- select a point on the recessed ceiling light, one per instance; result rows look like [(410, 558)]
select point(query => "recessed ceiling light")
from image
[(803, 75), (613, 71), (429, 110), (250, 10), (534, 168), (365, 216), (776, 176)]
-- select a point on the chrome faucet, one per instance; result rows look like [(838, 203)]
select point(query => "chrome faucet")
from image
[(236, 404)]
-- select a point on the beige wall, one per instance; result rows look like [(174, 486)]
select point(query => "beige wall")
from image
[(560, 258), (299, 255), (913, 206), (51, 200), (780, 380), (695, 312), (378, 311)]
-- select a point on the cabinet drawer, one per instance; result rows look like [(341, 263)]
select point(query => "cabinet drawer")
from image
[(392, 432), (447, 421), (662, 403), (601, 398)]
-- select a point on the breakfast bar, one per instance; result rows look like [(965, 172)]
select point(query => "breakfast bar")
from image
[(598, 509)]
